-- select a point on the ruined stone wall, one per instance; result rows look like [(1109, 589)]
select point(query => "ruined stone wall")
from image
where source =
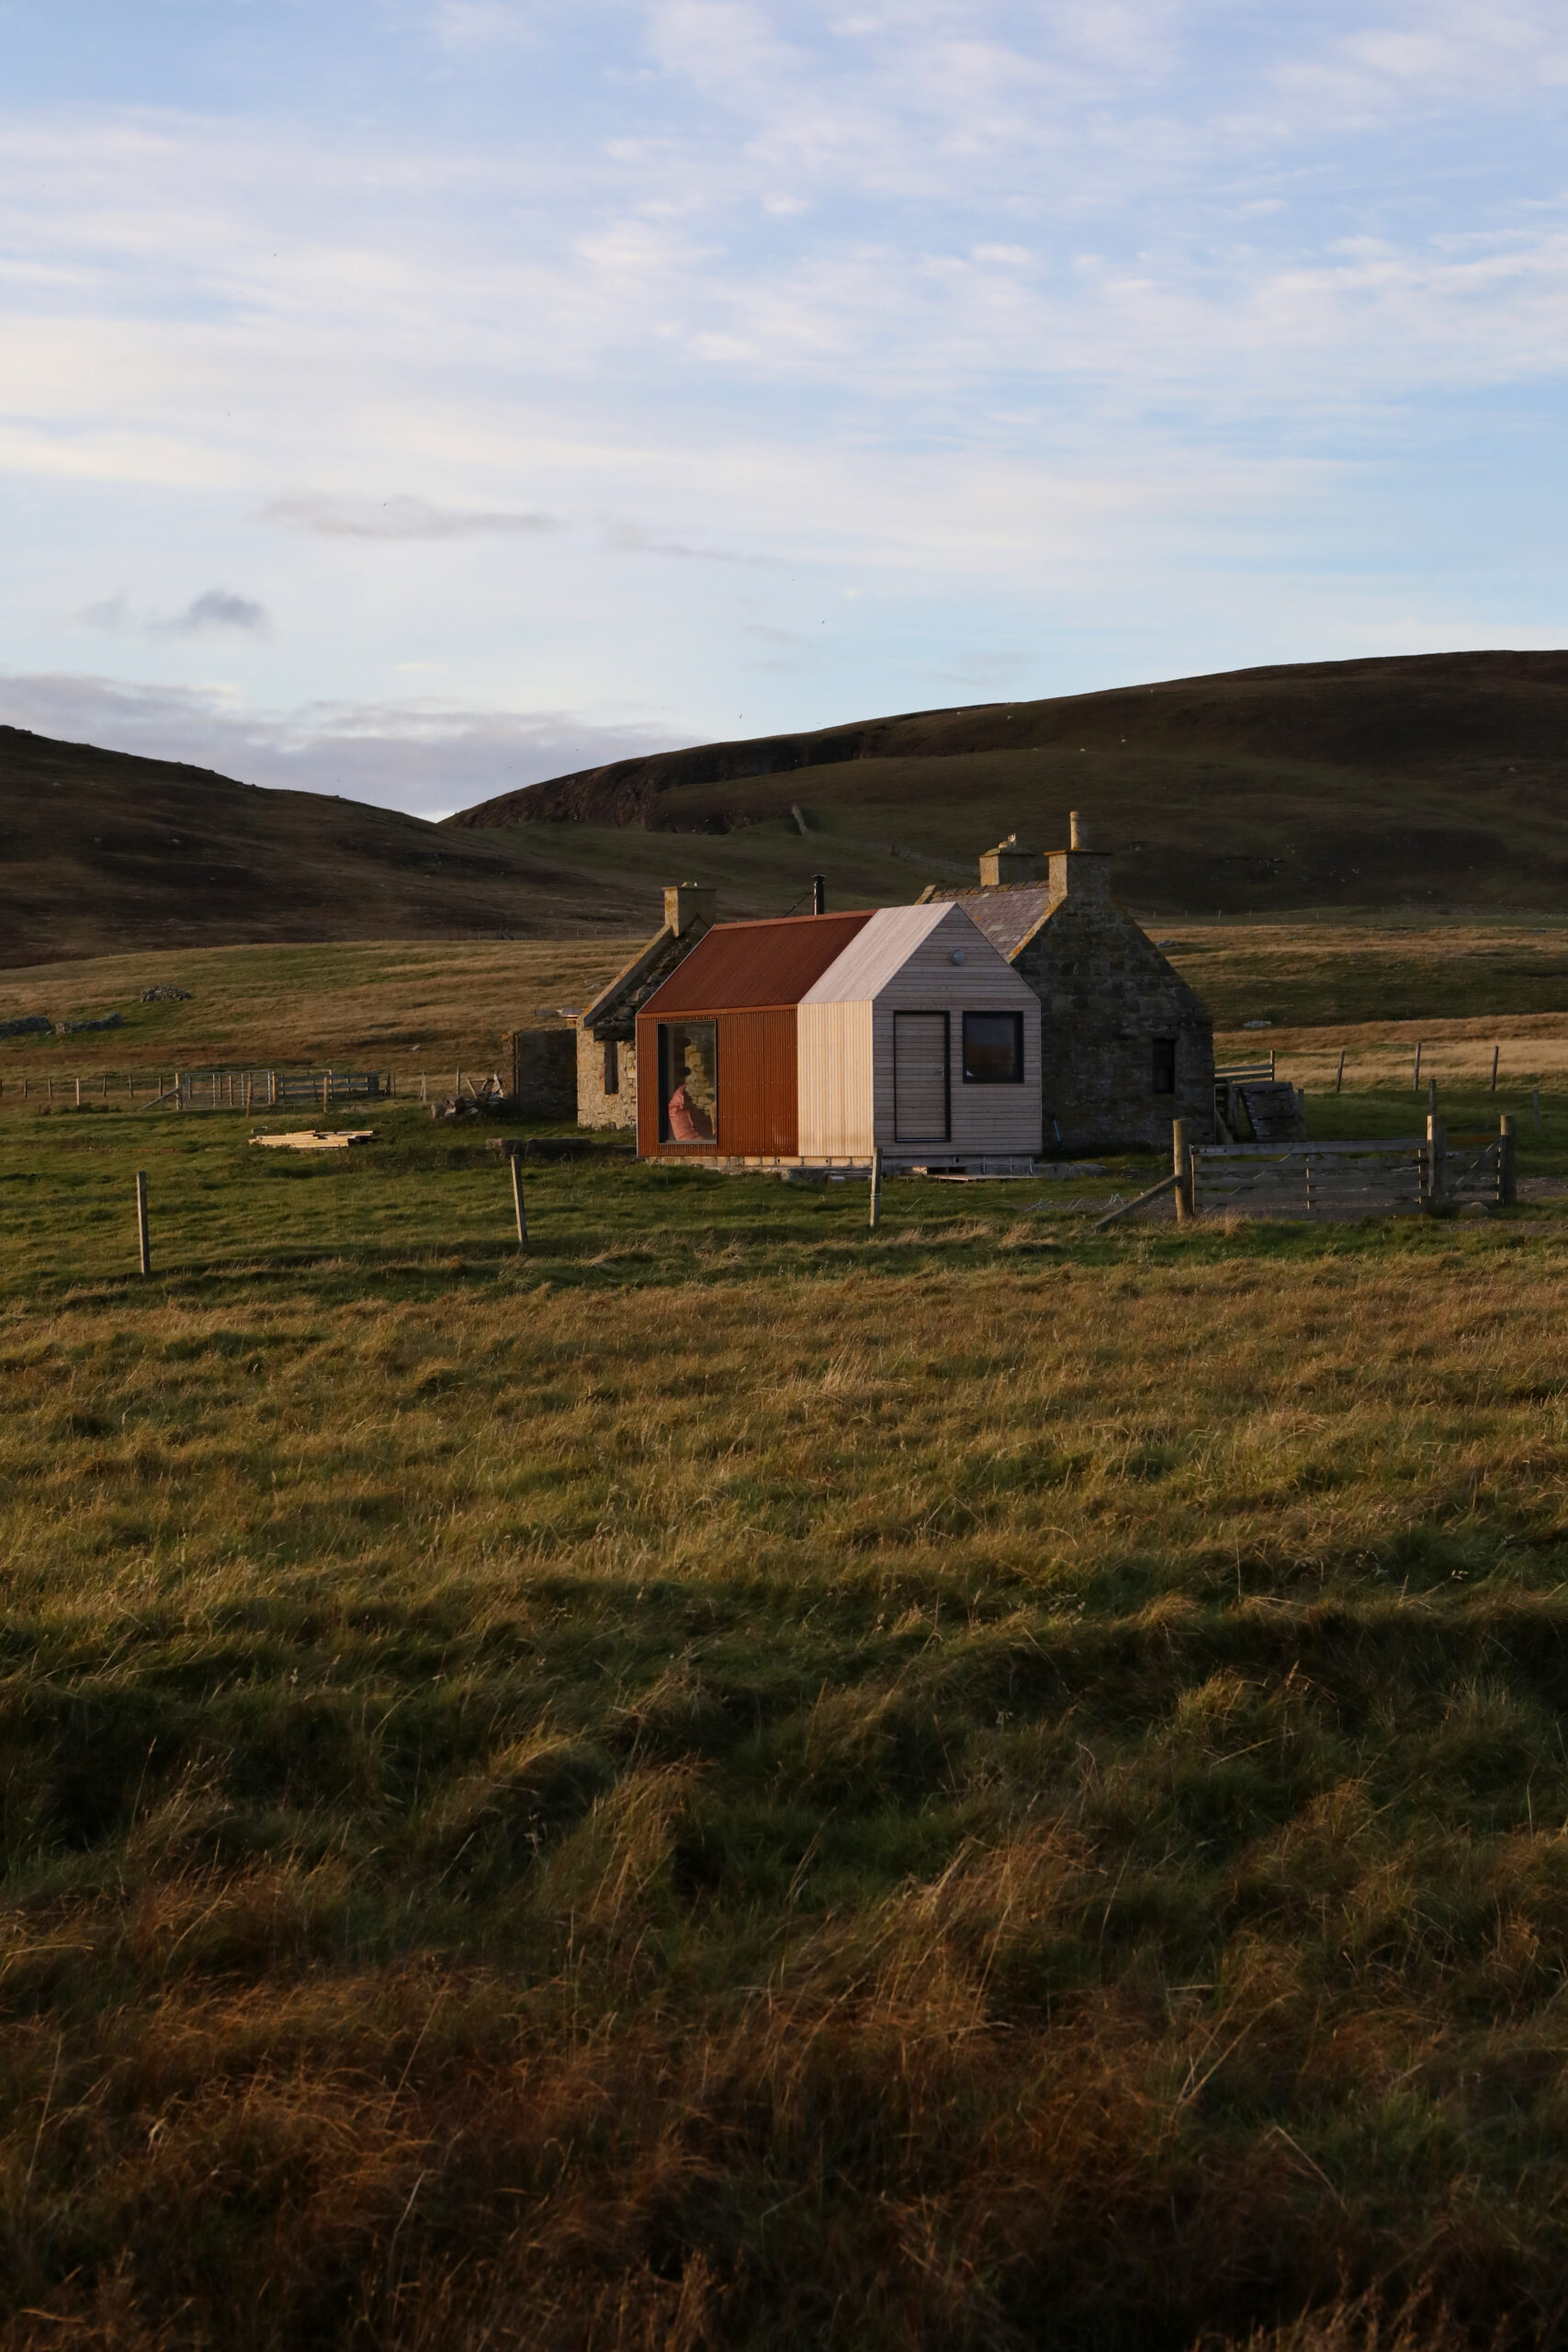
[(594, 1107), (544, 1072), (1106, 994)]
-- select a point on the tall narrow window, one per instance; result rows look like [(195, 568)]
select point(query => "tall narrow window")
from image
[(688, 1081), (1164, 1072), (612, 1065)]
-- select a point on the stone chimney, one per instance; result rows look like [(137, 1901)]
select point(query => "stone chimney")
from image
[(1008, 863), (686, 903), (1079, 871)]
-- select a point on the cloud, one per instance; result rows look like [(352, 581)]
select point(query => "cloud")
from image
[(397, 518), (427, 758), (214, 608), (631, 538)]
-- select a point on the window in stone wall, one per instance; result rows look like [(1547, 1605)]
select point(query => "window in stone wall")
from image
[(612, 1065), (1164, 1075)]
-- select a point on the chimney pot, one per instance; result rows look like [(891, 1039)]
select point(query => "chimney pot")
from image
[(819, 894), (1078, 832)]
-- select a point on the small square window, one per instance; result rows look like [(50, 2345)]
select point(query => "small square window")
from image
[(1164, 1071), (993, 1048)]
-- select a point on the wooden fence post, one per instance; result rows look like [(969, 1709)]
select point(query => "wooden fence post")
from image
[(272, 1090), (78, 1094), (142, 1243), (1182, 1169), (1508, 1167), (1495, 1051), (1416, 1081), (1431, 1097), (516, 1157), (1340, 1073), (1437, 1159), (875, 1186)]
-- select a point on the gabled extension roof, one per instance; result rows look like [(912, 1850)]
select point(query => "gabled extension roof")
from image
[(885, 946), (737, 965)]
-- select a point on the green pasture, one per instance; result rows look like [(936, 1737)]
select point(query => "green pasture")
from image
[(734, 1781)]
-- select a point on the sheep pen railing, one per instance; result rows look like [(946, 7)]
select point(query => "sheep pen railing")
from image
[(1351, 1179)]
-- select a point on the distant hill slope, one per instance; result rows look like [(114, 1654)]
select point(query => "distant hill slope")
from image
[(1433, 780), (101, 851)]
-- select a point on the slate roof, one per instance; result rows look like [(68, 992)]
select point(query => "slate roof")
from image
[(1007, 912)]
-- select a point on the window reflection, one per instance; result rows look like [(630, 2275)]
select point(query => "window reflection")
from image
[(688, 1081)]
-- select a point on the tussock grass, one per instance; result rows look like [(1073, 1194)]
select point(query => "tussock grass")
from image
[(735, 1782)]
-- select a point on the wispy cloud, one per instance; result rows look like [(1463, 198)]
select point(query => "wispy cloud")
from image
[(399, 518), (633, 538), (216, 608)]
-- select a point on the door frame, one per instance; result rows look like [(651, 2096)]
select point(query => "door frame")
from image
[(914, 1013)]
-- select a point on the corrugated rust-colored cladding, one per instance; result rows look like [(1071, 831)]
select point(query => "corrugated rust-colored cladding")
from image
[(739, 964), (759, 1100), (759, 1097), (749, 978)]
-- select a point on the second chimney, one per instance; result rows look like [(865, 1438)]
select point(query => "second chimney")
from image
[(686, 903), (1008, 863)]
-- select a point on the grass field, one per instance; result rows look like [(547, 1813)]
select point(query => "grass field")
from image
[(733, 1781), (1039, 1819), (413, 1005)]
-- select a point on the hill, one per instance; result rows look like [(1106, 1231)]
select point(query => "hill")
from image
[(1433, 781), (101, 851)]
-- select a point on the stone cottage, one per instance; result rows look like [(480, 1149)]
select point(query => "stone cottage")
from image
[(1126, 1046), (606, 1029)]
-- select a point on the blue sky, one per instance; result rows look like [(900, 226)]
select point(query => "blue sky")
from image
[(415, 398)]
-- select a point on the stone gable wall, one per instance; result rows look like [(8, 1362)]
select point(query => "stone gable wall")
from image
[(594, 1107), (1106, 993)]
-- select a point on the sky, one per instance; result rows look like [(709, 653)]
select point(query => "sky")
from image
[(412, 399)]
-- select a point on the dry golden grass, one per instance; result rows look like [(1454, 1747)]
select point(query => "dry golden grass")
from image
[(358, 1006), (733, 1785)]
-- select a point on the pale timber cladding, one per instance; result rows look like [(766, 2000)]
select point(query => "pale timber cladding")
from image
[(880, 1045)]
